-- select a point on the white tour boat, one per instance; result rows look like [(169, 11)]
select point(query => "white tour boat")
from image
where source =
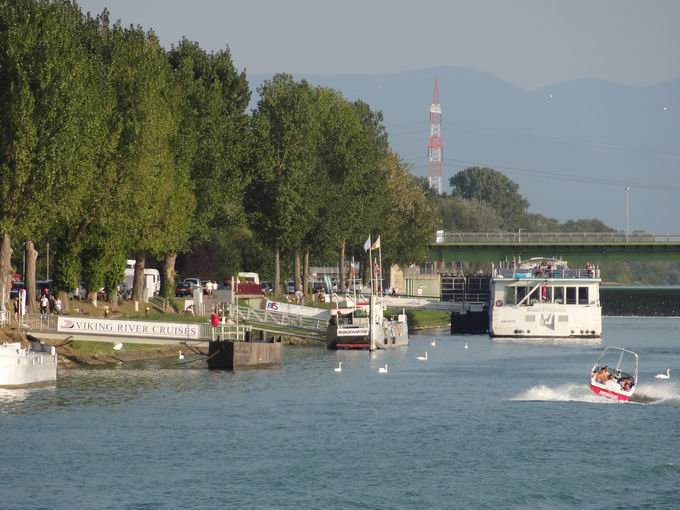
[(615, 374), (543, 298), (34, 365), (350, 328)]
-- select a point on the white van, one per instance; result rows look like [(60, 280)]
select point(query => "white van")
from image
[(152, 278), (248, 278)]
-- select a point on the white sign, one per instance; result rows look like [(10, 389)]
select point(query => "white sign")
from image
[(352, 332), (307, 311), (127, 328)]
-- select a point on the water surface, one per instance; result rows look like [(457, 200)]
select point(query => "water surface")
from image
[(497, 425)]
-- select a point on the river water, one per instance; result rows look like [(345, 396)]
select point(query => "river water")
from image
[(497, 425)]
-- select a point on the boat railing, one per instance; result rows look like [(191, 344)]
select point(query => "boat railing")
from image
[(580, 273), (355, 322)]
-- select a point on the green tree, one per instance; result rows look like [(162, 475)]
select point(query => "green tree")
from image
[(493, 188), (284, 152), (49, 127), (410, 220), (462, 215), (213, 139)]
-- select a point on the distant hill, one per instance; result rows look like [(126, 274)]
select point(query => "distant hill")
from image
[(600, 136)]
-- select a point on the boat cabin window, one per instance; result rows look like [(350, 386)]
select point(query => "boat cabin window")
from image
[(583, 295), (559, 295), (510, 295), (571, 295), (521, 292), (535, 296)]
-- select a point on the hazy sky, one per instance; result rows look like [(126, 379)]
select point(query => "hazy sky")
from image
[(530, 43)]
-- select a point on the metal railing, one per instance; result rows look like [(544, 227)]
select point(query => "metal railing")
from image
[(280, 319), (37, 322), (554, 237), (160, 302), (554, 273)]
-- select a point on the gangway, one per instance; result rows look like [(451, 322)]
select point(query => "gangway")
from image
[(281, 323)]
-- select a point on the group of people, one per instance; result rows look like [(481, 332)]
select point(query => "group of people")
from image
[(603, 376), (49, 303)]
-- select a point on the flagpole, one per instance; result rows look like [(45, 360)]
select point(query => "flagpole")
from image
[(380, 268), (370, 261), (354, 283)]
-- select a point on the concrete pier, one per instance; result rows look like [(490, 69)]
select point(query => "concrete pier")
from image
[(228, 355)]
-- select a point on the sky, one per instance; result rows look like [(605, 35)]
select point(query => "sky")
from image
[(530, 43)]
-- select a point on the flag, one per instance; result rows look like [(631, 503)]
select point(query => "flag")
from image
[(376, 267), (367, 244), (376, 244)]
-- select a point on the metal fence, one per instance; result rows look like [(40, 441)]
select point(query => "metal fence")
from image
[(281, 319), (554, 237)]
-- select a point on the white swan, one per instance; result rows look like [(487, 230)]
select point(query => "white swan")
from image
[(180, 356), (118, 346), (433, 343), (466, 345), (422, 358), (339, 367), (382, 370), (667, 375)]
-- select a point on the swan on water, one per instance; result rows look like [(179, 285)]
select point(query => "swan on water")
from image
[(422, 358), (118, 346), (433, 343), (382, 370), (466, 345), (667, 375), (339, 367), (180, 356)]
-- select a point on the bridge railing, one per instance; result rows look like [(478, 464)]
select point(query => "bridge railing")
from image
[(554, 237), (281, 319)]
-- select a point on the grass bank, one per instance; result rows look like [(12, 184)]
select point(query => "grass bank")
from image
[(424, 319)]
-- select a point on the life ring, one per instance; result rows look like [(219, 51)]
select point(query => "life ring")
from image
[(499, 302)]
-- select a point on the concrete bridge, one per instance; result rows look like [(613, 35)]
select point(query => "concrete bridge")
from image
[(574, 247)]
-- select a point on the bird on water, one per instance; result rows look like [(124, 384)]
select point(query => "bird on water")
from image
[(180, 356), (382, 370), (433, 343), (667, 375), (339, 367), (118, 346), (422, 358), (466, 345)]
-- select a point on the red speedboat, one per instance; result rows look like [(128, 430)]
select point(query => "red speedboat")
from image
[(615, 374)]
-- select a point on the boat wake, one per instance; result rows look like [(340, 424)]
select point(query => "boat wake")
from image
[(660, 393), (657, 393), (562, 393)]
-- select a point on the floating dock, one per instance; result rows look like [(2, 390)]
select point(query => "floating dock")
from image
[(230, 355)]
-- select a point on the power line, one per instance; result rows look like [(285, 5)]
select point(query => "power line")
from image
[(563, 176), (472, 130)]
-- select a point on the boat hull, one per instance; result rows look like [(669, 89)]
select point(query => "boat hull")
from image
[(392, 336), (609, 393), (27, 367)]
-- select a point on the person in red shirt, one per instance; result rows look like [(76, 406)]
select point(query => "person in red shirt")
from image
[(214, 319)]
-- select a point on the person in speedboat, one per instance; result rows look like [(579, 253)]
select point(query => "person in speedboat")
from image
[(602, 375)]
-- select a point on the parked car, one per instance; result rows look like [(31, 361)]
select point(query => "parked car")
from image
[(320, 286), (196, 282), (267, 287), (290, 287), (43, 287), (14, 291), (184, 289)]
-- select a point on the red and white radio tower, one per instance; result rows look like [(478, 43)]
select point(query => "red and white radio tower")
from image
[(435, 149)]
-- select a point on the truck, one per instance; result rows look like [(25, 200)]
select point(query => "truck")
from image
[(152, 278)]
